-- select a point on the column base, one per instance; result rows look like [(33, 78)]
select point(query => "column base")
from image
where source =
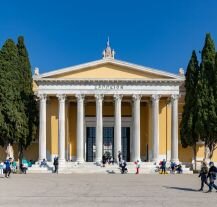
[(156, 160), (62, 164), (98, 160), (135, 160), (80, 161)]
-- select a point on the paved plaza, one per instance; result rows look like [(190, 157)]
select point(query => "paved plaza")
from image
[(103, 190)]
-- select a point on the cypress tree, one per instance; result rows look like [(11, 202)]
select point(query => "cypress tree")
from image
[(18, 111), (11, 113), (206, 96), (28, 101), (189, 136)]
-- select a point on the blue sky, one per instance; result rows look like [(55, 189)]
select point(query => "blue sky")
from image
[(155, 33)]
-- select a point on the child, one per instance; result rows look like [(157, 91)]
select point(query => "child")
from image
[(137, 163)]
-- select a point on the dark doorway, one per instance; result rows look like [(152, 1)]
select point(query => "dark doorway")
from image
[(91, 144), (125, 143), (108, 140)]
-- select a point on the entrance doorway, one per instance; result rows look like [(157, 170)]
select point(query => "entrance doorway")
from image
[(125, 143), (91, 144), (108, 142)]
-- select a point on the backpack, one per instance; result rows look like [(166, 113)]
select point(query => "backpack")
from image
[(204, 170)]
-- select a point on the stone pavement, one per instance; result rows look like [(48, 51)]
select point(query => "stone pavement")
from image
[(104, 190)]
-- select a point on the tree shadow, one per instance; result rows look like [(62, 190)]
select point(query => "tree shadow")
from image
[(179, 188)]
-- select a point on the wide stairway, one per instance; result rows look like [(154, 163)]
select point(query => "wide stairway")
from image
[(90, 167)]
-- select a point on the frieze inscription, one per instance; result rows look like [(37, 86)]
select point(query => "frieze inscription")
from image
[(109, 87)]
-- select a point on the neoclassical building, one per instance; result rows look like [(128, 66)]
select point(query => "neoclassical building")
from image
[(110, 105)]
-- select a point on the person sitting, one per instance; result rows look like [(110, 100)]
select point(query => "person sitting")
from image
[(43, 163), (179, 168), (123, 166), (14, 167), (111, 161), (24, 166)]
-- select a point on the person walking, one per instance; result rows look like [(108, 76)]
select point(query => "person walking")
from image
[(104, 158), (163, 167), (137, 166), (7, 168), (212, 177), (203, 175), (56, 163), (119, 157)]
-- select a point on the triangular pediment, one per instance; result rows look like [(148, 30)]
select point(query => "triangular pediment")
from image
[(108, 69)]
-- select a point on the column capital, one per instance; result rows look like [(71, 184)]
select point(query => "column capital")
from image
[(42, 97), (61, 97), (155, 97), (79, 97), (118, 97), (99, 97), (175, 97), (136, 97)]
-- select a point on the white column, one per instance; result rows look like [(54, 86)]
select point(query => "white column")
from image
[(61, 129), (136, 127), (67, 132), (80, 128), (155, 127), (99, 127), (42, 127), (117, 134), (174, 129)]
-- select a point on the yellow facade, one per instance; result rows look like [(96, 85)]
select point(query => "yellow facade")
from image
[(110, 71)]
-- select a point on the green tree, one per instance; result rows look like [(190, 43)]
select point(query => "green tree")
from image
[(206, 123), (28, 100), (189, 135), (11, 114), (18, 110)]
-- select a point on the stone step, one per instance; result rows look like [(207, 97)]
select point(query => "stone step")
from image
[(90, 167)]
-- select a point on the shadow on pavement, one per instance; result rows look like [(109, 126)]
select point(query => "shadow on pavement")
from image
[(179, 188), (110, 171)]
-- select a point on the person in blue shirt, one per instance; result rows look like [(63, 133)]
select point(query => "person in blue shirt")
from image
[(7, 168)]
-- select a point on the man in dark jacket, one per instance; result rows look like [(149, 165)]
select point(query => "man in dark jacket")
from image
[(119, 157), (212, 176), (203, 175), (56, 163), (163, 166)]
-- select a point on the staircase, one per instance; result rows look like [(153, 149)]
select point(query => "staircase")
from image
[(90, 167)]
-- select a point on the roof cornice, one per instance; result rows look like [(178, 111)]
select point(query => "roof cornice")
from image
[(64, 80), (112, 61)]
